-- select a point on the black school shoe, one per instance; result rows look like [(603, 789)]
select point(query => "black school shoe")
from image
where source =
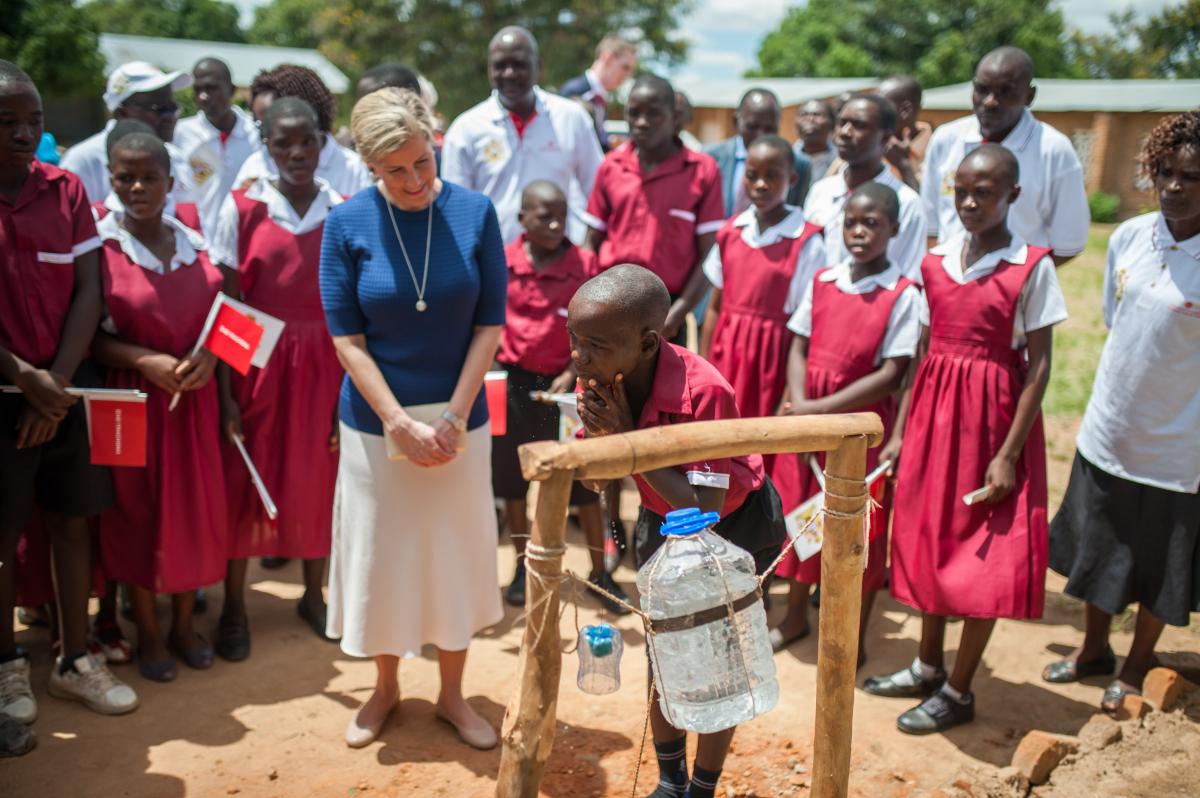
[(937, 713), (514, 594), (905, 683), (606, 582)]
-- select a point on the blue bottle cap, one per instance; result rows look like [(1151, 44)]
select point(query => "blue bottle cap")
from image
[(687, 521), (600, 639)]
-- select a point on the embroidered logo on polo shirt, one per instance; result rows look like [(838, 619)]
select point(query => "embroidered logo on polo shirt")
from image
[(493, 150), (202, 170), (948, 182)]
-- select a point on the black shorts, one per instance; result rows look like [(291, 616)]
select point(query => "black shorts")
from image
[(757, 526), (57, 476), (528, 421)]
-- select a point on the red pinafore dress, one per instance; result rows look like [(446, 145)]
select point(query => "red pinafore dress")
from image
[(751, 341), (289, 407), (847, 334), (167, 530), (986, 560)]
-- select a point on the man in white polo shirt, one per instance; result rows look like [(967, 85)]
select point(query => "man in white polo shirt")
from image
[(144, 92), (521, 134), (1052, 210), (864, 127), (216, 141)]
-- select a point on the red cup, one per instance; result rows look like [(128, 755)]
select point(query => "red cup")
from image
[(495, 383)]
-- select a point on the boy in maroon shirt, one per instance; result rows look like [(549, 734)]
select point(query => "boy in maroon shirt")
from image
[(49, 310), (633, 379), (544, 271)]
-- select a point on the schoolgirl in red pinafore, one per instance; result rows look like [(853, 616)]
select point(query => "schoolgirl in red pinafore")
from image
[(762, 282), (847, 336), (984, 560), (288, 407), (167, 531)]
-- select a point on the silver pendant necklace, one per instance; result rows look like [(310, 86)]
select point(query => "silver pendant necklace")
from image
[(420, 289)]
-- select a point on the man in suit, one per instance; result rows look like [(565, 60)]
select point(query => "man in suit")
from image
[(757, 115), (616, 59)]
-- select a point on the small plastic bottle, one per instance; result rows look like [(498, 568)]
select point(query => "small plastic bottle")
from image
[(600, 649)]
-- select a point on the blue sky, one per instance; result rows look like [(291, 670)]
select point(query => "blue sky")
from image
[(725, 34)]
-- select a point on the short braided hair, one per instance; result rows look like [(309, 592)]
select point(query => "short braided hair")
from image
[(1170, 135), (292, 80)]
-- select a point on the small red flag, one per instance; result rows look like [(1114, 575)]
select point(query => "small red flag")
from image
[(118, 432), (233, 337)]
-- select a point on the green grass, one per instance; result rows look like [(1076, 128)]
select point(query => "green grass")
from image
[(1078, 340)]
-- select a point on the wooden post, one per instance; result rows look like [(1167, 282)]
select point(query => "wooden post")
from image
[(841, 602), (528, 731)]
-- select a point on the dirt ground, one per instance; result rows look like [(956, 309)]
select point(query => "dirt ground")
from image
[(272, 726)]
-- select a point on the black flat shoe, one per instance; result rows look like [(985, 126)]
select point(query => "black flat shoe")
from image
[(273, 563), (233, 640), (936, 714), (514, 594), (606, 582), (1065, 671), (316, 621), (898, 684)]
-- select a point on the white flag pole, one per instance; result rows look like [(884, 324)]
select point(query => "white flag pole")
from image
[(268, 502)]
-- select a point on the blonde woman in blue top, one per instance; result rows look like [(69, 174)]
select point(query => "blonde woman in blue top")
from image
[(413, 282)]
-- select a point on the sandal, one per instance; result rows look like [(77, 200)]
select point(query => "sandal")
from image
[(778, 643), (198, 658), (162, 671), (1065, 671), (1115, 694)]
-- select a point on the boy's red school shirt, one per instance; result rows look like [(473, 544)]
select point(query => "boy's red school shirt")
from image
[(689, 388), (42, 231), (535, 323), (653, 220)]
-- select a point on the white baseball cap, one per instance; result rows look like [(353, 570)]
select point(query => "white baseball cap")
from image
[(137, 77)]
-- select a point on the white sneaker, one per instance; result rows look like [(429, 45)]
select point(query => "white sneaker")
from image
[(92, 683), (16, 694)]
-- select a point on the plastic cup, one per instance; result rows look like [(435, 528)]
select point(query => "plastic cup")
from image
[(495, 384)]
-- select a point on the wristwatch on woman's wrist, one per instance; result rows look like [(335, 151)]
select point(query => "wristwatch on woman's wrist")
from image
[(456, 421)]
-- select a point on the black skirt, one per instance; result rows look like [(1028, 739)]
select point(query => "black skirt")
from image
[(1119, 542)]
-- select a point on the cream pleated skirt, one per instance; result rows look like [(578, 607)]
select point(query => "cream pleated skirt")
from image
[(413, 561)]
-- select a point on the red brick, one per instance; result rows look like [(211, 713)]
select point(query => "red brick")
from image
[(1039, 753), (1133, 707), (1163, 688)]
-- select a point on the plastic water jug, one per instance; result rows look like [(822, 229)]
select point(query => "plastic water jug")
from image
[(600, 648), (713, 671)]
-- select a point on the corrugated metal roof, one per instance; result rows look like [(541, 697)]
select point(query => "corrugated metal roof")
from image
[(706, 93), (244, 60), (1085, 95)]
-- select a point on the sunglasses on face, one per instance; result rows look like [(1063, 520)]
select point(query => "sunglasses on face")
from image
[(163, 110)]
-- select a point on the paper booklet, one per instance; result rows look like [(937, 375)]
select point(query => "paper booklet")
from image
[(807, 538)]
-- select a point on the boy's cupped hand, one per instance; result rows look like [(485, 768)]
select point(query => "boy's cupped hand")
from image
[(605, 410)]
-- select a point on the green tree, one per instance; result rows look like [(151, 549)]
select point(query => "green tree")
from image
[(936, 40), (212, 20), (448, 41), (1165, 46), (38, 34)]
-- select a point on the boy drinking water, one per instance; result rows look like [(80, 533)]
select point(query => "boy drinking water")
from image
[(631, 378)]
